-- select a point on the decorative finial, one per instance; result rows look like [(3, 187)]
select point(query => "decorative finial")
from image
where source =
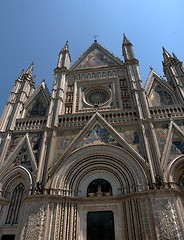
[(151, 68), (66, 47), (125, 40), (95, 38)]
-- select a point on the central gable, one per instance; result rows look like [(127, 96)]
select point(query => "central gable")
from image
[(96, 56)]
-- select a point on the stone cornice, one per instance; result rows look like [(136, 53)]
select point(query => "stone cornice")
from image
[(159, 193)]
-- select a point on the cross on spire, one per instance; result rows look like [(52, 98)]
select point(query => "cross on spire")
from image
[(95, 38)]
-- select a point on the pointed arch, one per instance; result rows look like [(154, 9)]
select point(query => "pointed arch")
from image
[(14, 205), (15, 184), (17, 157), (18, 174)]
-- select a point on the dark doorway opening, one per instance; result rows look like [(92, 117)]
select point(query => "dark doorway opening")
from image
[(8, 237), (100, 225)]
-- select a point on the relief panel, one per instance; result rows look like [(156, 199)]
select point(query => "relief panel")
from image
[(166, 219), (34, 221)]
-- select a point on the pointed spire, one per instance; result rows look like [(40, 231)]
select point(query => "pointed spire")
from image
[(127, 49), (66, 47), (166, 54), (30, 69), (64, 57), (174, 56), (125, 40)]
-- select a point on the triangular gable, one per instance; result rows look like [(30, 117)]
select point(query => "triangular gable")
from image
[(112, 137), (97, 135), (38, 103), (159, 92), (96, 56), (22, 155), (174, 146)]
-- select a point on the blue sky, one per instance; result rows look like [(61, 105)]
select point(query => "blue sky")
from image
[(36, 30)]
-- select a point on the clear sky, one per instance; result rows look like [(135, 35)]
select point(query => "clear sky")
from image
[(36, 30)]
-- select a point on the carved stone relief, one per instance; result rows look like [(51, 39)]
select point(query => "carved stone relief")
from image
[(166, 219), (34, 222)]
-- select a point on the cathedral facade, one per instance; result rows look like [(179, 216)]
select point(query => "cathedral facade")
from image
[(101, 157)]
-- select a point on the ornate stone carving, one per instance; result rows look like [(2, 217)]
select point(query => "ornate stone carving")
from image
[(166, 220), (33, 226)]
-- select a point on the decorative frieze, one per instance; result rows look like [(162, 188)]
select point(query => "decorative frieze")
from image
[(96, 75)]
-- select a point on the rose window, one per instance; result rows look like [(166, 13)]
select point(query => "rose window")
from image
[(97, 96)]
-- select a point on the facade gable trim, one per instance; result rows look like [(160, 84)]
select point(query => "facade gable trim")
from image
[(95, 45), (153, 76), (45, 92), (11, 158)]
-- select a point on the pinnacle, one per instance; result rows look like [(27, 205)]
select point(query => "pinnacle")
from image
[(175, 56), (30, 69), (66, 47), (166, 54), (125, 40)]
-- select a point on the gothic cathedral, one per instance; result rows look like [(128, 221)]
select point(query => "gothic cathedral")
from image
[(100, 157)]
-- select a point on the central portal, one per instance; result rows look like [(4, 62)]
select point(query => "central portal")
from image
[(100, 225)]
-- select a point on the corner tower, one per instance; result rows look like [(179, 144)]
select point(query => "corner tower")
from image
[(174, 72), (22, 89)]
